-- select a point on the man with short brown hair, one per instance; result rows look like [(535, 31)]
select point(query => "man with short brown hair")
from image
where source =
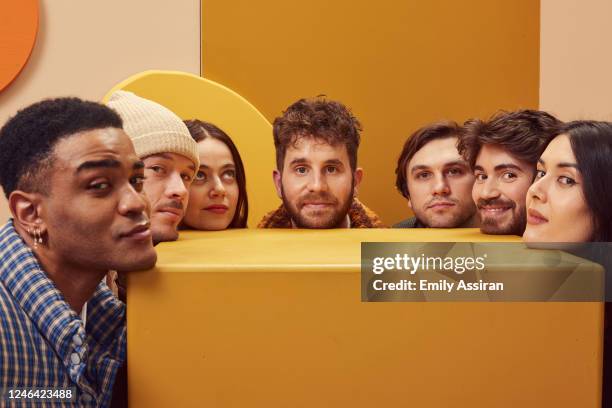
[(435, 179), (503, 152)]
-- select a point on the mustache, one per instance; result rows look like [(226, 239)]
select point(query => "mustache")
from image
[(495, 201), (324, 197), (170, 204), (441, 200)]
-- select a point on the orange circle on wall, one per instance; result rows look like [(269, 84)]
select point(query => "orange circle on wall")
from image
[(18, 28)]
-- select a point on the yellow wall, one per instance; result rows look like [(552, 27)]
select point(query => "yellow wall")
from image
[(398, 65), (79, 55)]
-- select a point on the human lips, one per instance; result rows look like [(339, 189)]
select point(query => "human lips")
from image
[(217, 208), (534, 217), (172, 213), (140, 232), (440, 205), (495, 209), (316, 205)]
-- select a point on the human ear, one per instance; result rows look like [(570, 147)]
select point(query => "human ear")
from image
[(357, 177), (26, 210), (277, 178)]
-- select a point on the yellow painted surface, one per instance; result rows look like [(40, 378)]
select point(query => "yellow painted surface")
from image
[(397, 64), (273, 318), (192, 97)]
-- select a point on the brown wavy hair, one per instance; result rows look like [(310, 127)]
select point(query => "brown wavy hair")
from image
[(523, 133), (320, 118), (201, 130), (415, 142)]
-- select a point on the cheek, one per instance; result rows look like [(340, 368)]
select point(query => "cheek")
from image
[(517, 191), (232, 194), (197, 197), (463, 188), (571, 213), (476, 191), (152, 190)]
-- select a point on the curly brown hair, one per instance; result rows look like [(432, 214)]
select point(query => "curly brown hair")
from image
[(330, 121), (415, 142), (524, 133)]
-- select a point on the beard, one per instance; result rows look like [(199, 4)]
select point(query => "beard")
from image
[(514, 226), (319, 219)]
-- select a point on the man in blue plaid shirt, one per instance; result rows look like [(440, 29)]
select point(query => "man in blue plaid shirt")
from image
[(74, 186)]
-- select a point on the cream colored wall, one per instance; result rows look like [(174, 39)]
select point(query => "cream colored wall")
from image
[(84, 48), (575, 63)]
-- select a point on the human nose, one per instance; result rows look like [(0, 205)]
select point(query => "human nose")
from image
[(132, 202), (317, 182), (176, 187), (489, 189), (218, 189), (537, 191), (441, 185)]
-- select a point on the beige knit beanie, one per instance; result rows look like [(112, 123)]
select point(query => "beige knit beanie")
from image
[(152, 127)]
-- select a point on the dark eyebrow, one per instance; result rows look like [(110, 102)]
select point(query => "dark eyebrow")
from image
[(456, 163), (299, 160), (506, 166), (564, 164), (418, 167), (95, 164), (138, 165), (334, 161), (479, 168)]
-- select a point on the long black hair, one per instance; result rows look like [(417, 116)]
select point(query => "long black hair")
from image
[(591, 143)]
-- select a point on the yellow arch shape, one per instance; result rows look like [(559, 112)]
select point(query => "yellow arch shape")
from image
[(193, 97)]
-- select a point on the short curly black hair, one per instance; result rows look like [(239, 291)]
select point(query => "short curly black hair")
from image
[(27, 139)]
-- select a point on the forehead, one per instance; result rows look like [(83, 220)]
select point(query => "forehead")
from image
[(436, 153), (315, 150), (491, 156), (113, 143), (211, 148), (559, 150)]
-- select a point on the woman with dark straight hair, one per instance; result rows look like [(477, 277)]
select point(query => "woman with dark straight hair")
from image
[(571, 197), (217, 196)]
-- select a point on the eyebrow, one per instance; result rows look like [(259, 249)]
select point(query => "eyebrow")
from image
[(225, 166), (96, 164), (418, 167), (168, 157), (562, 164), (505, 166), (138, 165), (299, 160)]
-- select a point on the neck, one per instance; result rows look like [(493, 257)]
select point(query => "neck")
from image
[(75, 284)]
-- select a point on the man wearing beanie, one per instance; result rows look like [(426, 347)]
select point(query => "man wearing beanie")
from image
[(170, 155)]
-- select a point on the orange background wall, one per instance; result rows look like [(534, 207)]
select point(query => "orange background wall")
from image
[(398, 65)]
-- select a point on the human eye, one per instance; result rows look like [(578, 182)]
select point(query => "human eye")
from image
[(480, 177), (331, 169), (423, 175), (301, 170), (229, 174), (157, 169), (455, 171), (99, 186), (200, 177), (137, 182), (565, 180), (508, 176), (539, 174), (187, 177)]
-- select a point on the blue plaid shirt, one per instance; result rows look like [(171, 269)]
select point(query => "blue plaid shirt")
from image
[(43, 342)]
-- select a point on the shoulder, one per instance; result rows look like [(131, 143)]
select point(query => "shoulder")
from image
[(408, 223)]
